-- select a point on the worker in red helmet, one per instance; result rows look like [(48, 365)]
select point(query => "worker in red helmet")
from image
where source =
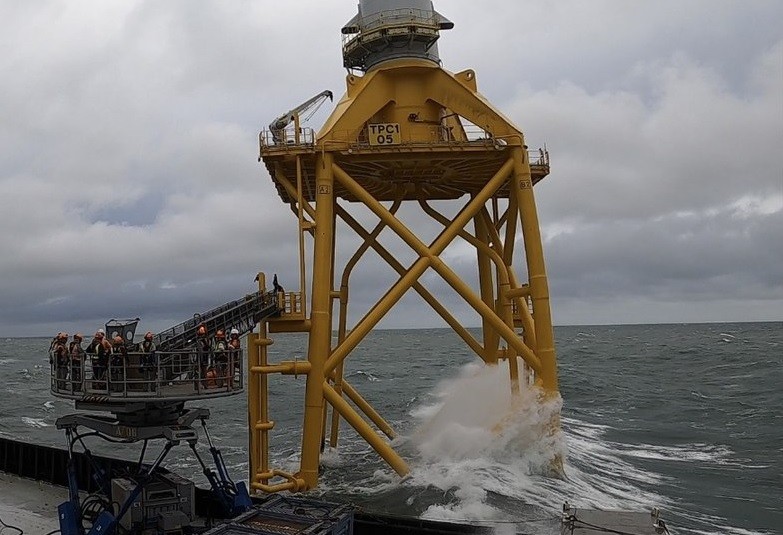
[(100, 349)]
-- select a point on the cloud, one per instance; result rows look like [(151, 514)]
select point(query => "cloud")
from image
[(129, 183)]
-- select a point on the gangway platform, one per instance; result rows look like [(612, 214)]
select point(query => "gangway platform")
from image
[(241, 314), (180, 371)]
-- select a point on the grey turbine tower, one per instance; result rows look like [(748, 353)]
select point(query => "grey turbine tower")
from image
[(384, 30)]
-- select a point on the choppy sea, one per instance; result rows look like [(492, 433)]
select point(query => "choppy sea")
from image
[(686, 418)]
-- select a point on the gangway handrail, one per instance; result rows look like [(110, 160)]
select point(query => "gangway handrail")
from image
[(241, 314)]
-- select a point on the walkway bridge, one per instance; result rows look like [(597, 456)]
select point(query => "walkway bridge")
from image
[(241, 314)]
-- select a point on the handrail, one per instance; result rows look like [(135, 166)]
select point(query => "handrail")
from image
[(241, 314), (286, 138), (163, 375), (393, 18)]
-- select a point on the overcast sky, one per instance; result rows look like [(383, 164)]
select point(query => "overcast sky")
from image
[(129, 184)]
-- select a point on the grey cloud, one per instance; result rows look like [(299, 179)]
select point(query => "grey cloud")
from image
[(129, 183)]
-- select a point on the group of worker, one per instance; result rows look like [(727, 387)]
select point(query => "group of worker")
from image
[(68, 359), (216, 360), (217, 357)]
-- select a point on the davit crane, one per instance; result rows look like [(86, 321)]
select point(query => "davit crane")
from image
[(278, 126)]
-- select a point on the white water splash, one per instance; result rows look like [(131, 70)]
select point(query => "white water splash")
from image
[(36, 423), (475, 440), (484, 449), (367, 375)]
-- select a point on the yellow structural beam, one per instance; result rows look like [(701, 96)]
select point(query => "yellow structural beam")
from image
[(449, 144)]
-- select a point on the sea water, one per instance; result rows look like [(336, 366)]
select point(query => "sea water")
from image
[(686, 418)]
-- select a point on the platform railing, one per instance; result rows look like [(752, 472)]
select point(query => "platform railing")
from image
[(286, 138), (291, 303), (385, 21), (181, 375)]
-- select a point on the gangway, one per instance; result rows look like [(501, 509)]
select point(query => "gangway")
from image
[(179, 372), (241, 314)]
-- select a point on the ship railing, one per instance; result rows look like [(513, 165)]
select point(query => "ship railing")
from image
[(176, 374), (286, 138)]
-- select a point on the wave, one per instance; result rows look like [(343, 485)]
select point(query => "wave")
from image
[(37, 423), (367, 375), (684, 453), (492, 456)]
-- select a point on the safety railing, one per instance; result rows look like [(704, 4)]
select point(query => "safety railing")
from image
[(291, 303), (538, 157), (286, 139), (451, 136), (390, 19), (404, 16), (163, 375), (241, 314)]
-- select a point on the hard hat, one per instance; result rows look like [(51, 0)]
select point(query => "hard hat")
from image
[(77, 336), (234, 331), (220, 334), (118, 340), (100, 331), (64, 336), (148, 336)]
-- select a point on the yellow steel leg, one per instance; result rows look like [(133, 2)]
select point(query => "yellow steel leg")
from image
[(539, 289), (321, 330)]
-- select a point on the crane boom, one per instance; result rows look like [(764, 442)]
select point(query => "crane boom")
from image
[(279, 125)]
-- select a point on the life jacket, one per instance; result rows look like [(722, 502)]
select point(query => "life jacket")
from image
[(118, 355), (76, 351), (102, 350), (60, 354), (203, 348)]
